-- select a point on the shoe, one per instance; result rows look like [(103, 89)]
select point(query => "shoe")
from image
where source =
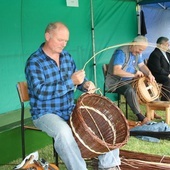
[(144, 121), (157, 116)]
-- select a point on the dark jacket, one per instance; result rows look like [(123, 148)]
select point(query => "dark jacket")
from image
[(159, 66)]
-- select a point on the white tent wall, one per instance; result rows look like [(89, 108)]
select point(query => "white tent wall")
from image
[(157, 20), (22, 31)]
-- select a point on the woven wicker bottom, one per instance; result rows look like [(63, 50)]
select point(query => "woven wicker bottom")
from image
[(146, 91), (98, 125)]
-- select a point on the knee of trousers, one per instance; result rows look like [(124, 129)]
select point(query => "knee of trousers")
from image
[(130, 92)]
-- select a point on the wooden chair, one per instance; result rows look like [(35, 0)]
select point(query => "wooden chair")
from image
[(24, 97), (105, 90)]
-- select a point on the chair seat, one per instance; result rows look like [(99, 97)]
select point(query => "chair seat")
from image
[(158, 105)]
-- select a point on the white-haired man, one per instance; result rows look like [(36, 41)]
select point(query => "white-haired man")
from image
[(127, 64)]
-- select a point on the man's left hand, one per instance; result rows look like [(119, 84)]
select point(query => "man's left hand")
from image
[(89, 86), (151, 77)]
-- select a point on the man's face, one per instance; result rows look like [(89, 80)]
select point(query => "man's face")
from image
[(165, 45), (57, 40), (137, 49)]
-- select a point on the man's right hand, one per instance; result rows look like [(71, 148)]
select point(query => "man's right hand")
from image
[(78, 77), (139, 74)]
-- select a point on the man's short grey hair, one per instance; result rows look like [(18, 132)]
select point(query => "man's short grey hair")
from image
[(141, 38), (53, 26), (50, 26)]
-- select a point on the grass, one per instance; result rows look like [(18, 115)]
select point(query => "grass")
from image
[(137, 145), (133, 144)]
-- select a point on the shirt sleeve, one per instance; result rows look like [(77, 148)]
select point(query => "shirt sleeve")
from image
[(119, 57), (140, 59)]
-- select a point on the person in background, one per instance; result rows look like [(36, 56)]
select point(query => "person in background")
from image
[(159, 65), (126, 64), (52, 75)]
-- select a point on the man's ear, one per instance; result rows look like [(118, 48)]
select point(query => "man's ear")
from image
[(47, 36)]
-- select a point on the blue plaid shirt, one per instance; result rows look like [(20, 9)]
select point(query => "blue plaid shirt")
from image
[(50, 87)]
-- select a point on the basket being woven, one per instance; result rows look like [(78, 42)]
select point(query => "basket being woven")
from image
[(147, 91), (98, 125)]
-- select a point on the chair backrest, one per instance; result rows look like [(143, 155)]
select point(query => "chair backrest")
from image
[(105, 68), (23, 91)]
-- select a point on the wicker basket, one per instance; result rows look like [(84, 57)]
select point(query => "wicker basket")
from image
[(146, 91), (98, 125)]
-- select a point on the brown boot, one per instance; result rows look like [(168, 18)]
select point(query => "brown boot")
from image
[(144, 121)]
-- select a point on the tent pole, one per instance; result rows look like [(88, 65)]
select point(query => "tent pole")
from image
[(93, 43), (139, 18)]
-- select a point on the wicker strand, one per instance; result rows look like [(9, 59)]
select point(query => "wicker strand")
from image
[(79, 137), (86, 107), (97, 111), (115, 46)]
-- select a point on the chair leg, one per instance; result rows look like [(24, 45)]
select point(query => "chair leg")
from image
[(55, 154), (126, 107), (126, 110), (22, 131), (118, 100), (23, 142), (56, 158)]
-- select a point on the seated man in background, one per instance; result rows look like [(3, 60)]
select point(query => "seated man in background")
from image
[(159, 65), (127, 64)]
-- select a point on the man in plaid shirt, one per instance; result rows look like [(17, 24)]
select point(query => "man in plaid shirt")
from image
[(52, 76)]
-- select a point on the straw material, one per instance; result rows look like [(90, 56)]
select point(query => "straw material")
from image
[(135, 160), (138, 161), (147, 91), (98, 125)]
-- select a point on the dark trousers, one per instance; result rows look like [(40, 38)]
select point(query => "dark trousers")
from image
[(165, 91), (130, 95)]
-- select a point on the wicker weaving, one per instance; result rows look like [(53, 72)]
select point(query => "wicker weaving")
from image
[(98, 125), (147, 91)]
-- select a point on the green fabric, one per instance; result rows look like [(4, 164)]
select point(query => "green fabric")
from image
[(22, 31), (11, 144)]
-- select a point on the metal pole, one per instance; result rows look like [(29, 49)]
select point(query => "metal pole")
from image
[(93, 43), (139, 20)]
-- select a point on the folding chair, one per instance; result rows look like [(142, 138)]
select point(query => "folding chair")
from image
[(24, 97), (105, 90)]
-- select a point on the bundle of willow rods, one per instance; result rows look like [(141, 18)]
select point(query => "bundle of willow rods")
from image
[(130, 164), (141, 161)]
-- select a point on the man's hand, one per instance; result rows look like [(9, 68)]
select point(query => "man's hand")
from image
[(151, 77), (78, 77), (89, 86), (138, 74)]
